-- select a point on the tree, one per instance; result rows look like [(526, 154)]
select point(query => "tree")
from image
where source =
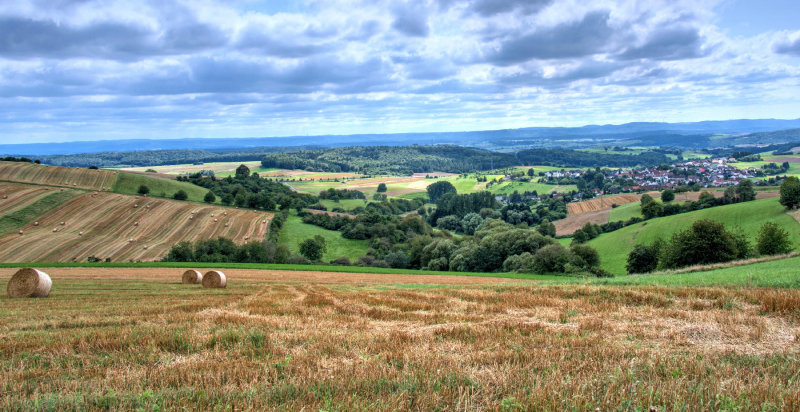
[(645, 199), (773, 240), (546, 228), (530, 172), (790, 192), (180, 195), (439, 189), (381, 188), (313, 248), (470, 223), (652, 209), (745, 191), (242, 172), (706, 241), (642, 259), (143, 190), (209, 197), (587, 254), (667, 195)]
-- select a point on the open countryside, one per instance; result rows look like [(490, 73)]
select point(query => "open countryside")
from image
[(400, 206)]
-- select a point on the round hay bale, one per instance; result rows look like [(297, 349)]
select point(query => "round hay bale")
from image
[(227, 224), (136, 223), (63, 223), (5, 197), (212, 215), (145, 247), (29, 283), (80, 233), (192, 277), (135, 205), (215, 220), (55, 229), (36, 223), (20, 231), (214, 279)]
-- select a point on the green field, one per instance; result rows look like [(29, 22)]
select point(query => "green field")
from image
[(749, 216), (507, 188), (128, 184), (625, 212), (295, 231), (346, 204)]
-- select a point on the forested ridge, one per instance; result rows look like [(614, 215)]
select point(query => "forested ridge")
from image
[(391, 159)]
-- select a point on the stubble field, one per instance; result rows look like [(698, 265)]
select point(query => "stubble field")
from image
[(129, 340)]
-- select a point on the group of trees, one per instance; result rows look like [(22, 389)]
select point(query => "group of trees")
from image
[(651, 208), (705, 242), (576, 158), (225, 250), (391, 159), (249, 190)]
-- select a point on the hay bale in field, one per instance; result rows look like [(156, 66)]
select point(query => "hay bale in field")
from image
[(145, 247), (215, 220), (55, 229), (227, 224), (36, 223), (214, 279), (29, 283), (20, 231), (63, 223), (192, 277), (135, 205), (80, 233), (5, 197), (136, 223)]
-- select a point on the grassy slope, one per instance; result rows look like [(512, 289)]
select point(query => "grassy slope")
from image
[(295, 231), (21, 217), (128, 184), (614, 247), (775, 274), (346, 204), (625, 212)]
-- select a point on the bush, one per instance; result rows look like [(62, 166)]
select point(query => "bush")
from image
[(587, 254), (143, 190), (381, 188), (180, 195), (210, 197), (704, 242), (397, 260), (297, 260), (773, 240), (642, 259), (450, 222), (342, 261), (551, 258), (667, 195)]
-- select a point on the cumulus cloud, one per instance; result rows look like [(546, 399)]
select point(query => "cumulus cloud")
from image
[(590, 35), (370, 66)]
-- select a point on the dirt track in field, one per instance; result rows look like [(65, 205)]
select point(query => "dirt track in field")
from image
[(93, 179), (282, 276), (126, 228)]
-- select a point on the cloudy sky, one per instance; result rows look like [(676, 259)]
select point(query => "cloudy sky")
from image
[(107, 69)]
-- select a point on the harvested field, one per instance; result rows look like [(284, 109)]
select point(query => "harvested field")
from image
[(93, 179), (20, 196), (434, 174), (572, 223), (604, 202), (139, 344), (125, 228)]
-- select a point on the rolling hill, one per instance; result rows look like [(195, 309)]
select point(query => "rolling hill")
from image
[(749, 216)]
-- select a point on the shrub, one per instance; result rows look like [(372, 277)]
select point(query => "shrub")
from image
[(551, 258), (642, 259), (143, 190), (397, 259), (587, 254), (773, 240), (790, 192), (667, 195), (342, 261), (180, 195), (450, 222), (313, 248), (210, 197), (381, 188), (704, 242)]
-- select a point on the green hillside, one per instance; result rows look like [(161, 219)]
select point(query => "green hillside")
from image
[(295, 231), (614, 247), (128, 184)]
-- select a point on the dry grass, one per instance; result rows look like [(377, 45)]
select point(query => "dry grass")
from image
[(261, 345), (572, 223), (109, 221)]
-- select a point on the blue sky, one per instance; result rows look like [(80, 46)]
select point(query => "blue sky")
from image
[(109, 69)]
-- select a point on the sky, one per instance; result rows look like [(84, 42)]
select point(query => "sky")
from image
[(124, 69)]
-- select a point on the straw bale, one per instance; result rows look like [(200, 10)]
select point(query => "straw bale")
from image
[(214, 279), (29, 283), (192, 277)]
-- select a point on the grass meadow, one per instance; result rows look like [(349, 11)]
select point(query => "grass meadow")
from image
[(128, 184), (295, 231), (614, 247)]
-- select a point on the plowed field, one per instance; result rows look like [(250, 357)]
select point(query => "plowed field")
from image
[(109, 226), (94, 179)]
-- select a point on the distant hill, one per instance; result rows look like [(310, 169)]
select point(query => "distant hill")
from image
[(696, 135)]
